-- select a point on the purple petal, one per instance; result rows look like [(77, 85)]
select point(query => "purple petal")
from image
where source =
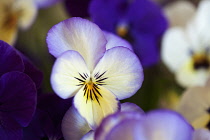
[(11, 134), (9, 59), (17, 97), (33, 72), (110, 122), (77, 8), (146, 48), (127, 107), (166, 124), (143, 18)]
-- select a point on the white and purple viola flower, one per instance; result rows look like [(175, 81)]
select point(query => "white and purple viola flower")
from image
[(96, 67), (154, 125), (185, 50), (19, 81), (18, 14), (141, 22)]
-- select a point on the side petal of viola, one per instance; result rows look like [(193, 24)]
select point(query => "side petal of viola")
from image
[(114, 40), (123, 72), (74, 126), (95, 105), (79, 35), (66, 74)]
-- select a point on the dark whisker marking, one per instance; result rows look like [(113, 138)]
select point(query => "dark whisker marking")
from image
[(96, 97), (100, 75), (97, 90), (101, 79), (79, 79), (82, 76), (96, 74), (87, 95), (79, 84), (86, 75), (91, 94)]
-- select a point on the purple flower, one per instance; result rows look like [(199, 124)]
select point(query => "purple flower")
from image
[(17, 94), (47, 120), (77, 8), (139, 21), (155, 125)]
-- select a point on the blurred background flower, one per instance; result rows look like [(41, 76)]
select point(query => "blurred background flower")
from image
[(135, 21)]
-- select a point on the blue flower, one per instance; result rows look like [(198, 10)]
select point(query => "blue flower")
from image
[(141, 22)]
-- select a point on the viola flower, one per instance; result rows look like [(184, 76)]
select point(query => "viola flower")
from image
[(85, 69), (18, 14), (185, 51), (17, 94), (46, 123), (154, 125), (133, 20), (195, 106), (75, 127)]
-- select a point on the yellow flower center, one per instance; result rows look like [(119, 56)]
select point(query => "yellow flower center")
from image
[(91, 89)]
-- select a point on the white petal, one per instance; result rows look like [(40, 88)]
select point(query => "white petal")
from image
[(74, 126), (80, 35), (175, 48), (114, 41), (187, 76), (179, 13), (68, 66), (28, 11), (123, 71), (94, 111)]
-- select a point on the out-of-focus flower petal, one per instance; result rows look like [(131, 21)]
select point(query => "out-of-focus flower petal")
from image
[(17, 97), (68, 66), (201, 134), (179, 13), (123, 71), (194, 105), (9, 59), (74, 126), (110, 123), (175, 48), (165, 125), (28, 12), (45, 3), (187, 77), (79, 35), (130, 107), (94, 107), (114, 41)]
